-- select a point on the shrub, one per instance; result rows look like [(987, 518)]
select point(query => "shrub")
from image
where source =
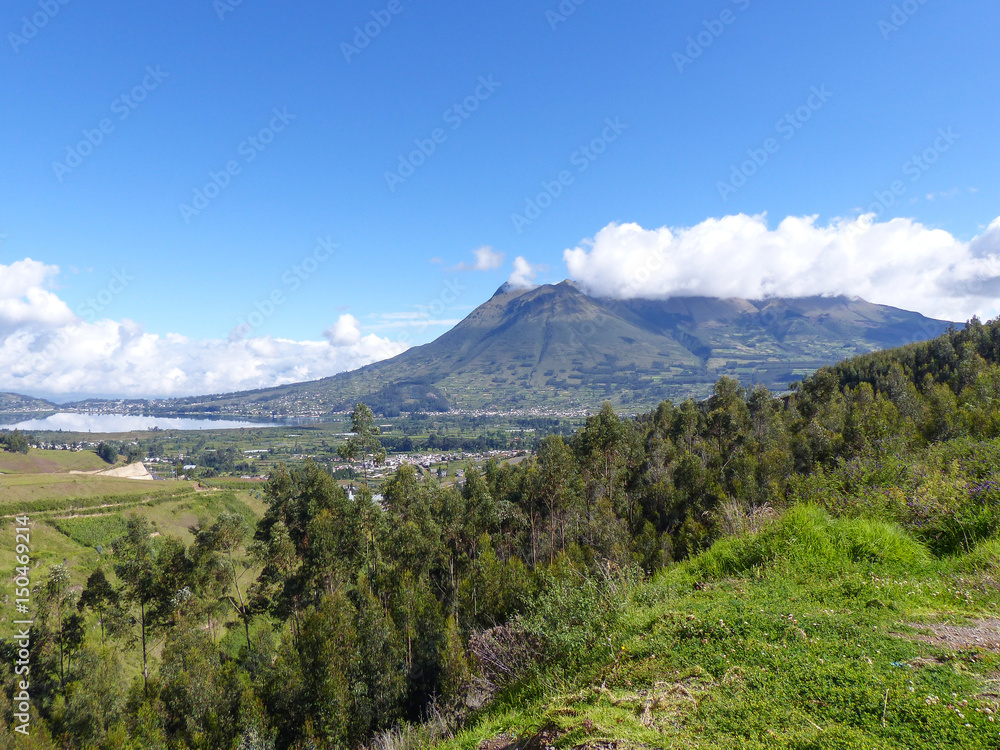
[(868, 541), (108, 452), (14, 442), (808, 538), (985, 558)]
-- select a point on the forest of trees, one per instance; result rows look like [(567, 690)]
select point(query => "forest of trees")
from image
[(351, 616), (14, 442)]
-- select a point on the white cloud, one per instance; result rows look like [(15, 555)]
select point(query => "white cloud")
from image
[(943, 194), (345, 332), (399, 315), (25, 297), (45, 349), (900, 262), (422, 322), (487, 259), (524, 273)]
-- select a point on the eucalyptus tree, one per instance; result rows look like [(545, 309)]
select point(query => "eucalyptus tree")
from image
[(218, 548), (98, 595), (364, 444)]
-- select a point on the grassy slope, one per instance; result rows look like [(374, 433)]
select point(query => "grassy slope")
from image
[(805, 636), (18, 491), (49, 462)]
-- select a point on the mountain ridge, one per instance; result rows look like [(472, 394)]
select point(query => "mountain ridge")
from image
[(554, 347)]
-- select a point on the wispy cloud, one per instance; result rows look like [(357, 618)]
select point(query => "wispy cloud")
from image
[(944, 194), (420, 322), (486, 259), (525, 273)]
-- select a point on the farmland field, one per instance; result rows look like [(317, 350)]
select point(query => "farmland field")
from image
[(75, 517)]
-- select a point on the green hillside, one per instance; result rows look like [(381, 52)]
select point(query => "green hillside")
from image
[(76, 517), (812, 633), (15, 407)]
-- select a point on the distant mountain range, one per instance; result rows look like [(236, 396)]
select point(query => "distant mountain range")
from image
[(15, 403), (554, 347)]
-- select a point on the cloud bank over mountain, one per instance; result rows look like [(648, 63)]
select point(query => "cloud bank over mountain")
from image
[(900, 263)]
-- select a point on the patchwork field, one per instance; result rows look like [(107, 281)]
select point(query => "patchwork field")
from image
[(76, 517)]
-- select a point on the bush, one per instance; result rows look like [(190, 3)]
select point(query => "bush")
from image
[(573, 611), (807, 537), (951, 516), (108, 452), (14, 442), (985, 558)]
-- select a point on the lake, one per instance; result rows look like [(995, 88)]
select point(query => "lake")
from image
[(106, 423)]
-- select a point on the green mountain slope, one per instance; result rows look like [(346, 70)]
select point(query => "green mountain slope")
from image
[(14, 407), (16, 403), (556, 347)]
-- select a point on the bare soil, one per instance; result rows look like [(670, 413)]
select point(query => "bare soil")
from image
[(983, 635)]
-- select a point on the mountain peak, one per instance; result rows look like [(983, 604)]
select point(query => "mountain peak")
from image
[(505, 288), (508, 288)]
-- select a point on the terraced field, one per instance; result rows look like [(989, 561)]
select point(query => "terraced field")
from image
[(76, 517)]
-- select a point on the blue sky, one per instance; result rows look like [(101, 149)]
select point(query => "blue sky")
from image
[(696, 88)]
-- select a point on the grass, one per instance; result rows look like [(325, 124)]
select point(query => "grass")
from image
[(48, 547), (49, 462), (807, 536), (985, 558), (19, 490), (801, 636)]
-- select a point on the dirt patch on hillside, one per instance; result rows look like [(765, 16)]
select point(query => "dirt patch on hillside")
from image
[(130, 471), (983, 635), (543, 741)]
